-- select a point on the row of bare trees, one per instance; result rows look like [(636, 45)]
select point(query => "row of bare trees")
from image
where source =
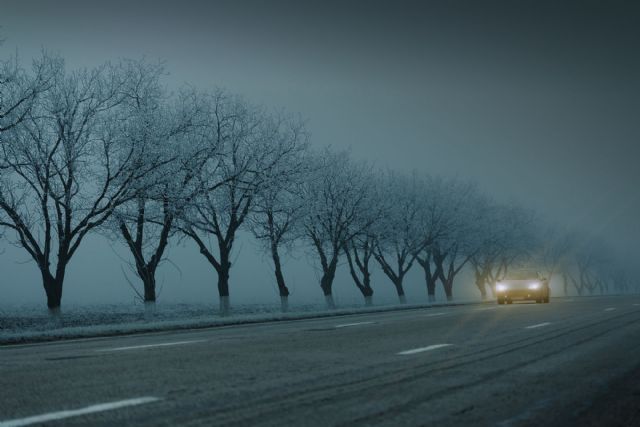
[(109, 149)]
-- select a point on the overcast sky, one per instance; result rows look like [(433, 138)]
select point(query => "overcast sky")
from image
[(535, 100)]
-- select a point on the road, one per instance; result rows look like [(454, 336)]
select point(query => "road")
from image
[(571, 362)]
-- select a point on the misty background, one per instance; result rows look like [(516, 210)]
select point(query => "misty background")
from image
[(536, 101)]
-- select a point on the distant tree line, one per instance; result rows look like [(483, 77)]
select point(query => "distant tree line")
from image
[(109, 149)]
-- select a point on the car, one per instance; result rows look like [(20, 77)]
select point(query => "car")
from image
[(524, 286)]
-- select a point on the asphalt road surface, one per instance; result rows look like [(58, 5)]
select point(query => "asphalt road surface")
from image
[(571, 362)]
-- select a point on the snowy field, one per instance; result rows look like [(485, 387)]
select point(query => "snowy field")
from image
[(29, 323)]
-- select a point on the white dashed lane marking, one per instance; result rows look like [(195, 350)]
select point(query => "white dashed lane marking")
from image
[(422, 349), (346, 325), (60, 415), (486, 308), (434, 314), (609, 309), (145, 346), (539, 325)]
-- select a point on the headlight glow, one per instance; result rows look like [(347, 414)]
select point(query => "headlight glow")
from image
[(534, 285), (501, 287)]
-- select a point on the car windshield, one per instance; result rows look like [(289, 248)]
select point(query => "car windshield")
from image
[(522, 275)]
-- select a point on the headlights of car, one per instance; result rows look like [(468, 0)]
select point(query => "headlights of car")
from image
[(501, 287), (534, 286)]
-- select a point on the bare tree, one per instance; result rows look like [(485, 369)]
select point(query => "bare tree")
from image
[(144, 105), (278, 206), (359, 251), (334, 196), (360, 248), (460, 208), (555, 252), (251, 149), (591, 267), (172, 128), (19, 89), (407, 227), (65, 168)]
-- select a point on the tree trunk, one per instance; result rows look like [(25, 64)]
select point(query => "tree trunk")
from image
[(223, 277), (448, 289), (400, 291), (225, 305), (223, 284), (284, 303), (481, 282), (431, 287), (326, 284), (282, 287), (367, 290), (149, 281), (149, 309), (54, 299), (431, 279), (53, 289)]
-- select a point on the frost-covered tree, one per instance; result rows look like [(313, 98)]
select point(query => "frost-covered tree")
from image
[(278, 206), (20, 89), (407, 226), (334, 196), (555, 251), (172, 129), (250, 148), (459, 207), (359, 249), (65, 168), (456, 253), (591, 267)]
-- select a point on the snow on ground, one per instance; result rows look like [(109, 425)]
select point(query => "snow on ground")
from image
[(34, 323)]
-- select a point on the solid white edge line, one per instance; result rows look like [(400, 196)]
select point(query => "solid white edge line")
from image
[(422, 349), (539, 325), (138, 347), (60, 415), (346, 325)]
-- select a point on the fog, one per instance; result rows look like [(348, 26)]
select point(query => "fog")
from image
[(536, 101)]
